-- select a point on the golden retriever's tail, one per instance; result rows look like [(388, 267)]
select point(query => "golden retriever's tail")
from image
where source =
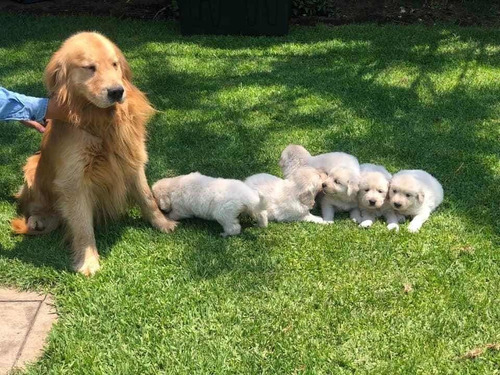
[(34, 225), (19, 225)]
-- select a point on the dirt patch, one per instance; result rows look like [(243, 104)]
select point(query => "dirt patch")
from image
[(141, 9), (476, 352), (428, 12)]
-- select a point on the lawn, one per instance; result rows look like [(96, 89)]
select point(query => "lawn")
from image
[(292, 298)]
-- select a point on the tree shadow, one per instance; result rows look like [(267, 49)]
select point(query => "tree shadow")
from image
[(413, 123), (242, 262), (316, 82), (52, 250)]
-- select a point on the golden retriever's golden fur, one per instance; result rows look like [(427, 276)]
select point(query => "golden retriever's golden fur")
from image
[(90, 166)]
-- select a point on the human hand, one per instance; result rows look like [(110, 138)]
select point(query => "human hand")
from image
[(33, 124)]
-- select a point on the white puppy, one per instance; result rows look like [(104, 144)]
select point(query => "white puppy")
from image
[(415, 193), (343, 173), (373, 197), (223, 200), (290, 199)]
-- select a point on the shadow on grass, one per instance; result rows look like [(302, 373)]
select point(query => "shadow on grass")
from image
[(51, 250), (412, 123), (409, 121), (241, 261)]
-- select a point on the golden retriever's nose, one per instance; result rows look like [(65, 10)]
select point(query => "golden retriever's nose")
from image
[(323, 185), (397, 205), (115, 94), (372, 202)]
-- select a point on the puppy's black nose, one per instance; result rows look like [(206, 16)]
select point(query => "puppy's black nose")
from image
[(397, 205), (372, 203), (115, 94), (323, 185)]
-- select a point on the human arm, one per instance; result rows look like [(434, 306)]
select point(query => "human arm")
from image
[(30, 111)]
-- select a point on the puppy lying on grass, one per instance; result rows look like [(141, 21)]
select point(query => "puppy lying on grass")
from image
[(292, 198), (372, 197), (415, 193), (223, 200), (341, 188)]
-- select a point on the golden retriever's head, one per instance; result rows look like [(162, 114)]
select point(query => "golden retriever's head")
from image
[(309, 182), (342, 184), (404, 194), (373, 188), (88, 68)]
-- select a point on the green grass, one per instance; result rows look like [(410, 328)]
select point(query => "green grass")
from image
[(292, 298)]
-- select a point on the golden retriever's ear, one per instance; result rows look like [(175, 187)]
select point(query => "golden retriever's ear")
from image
[(124, 66), (55, 73)]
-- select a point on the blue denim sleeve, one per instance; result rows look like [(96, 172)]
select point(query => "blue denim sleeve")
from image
[(14, 106)]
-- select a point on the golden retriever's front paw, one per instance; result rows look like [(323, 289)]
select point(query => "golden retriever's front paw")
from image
[(87, 267), (165, 225)]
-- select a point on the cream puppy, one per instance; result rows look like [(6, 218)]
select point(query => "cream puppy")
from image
[(292, 198), (373, 199), (415, 193), (343, 173), (292, 157), (223, 200)]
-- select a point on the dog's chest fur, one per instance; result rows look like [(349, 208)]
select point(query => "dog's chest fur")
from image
[(110, 166)]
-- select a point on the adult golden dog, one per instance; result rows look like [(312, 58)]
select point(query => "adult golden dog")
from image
[(90, 166)]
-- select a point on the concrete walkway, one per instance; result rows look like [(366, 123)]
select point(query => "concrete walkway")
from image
[(25, 321)]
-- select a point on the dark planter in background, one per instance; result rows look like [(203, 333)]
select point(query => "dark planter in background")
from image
[(240, 17)]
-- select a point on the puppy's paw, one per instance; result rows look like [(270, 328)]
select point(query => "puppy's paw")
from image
[(227, 234), (366, 224), (414, 228), (393, 226), (401, 218), (87, 267), (165, 225), (231, 230), (326, 222)]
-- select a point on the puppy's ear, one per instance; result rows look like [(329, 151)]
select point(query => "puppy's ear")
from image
[(352, 188), (307, 199), (124, 66), (421, 196), (56, 76)]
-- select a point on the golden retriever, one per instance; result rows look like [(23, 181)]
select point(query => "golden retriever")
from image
[(89, 166)]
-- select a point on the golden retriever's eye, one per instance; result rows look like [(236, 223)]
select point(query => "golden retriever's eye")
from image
[(115, 64), (90, 67), (394, 191), (408, 195), (336, 181), (380, 191), (367, 190)]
